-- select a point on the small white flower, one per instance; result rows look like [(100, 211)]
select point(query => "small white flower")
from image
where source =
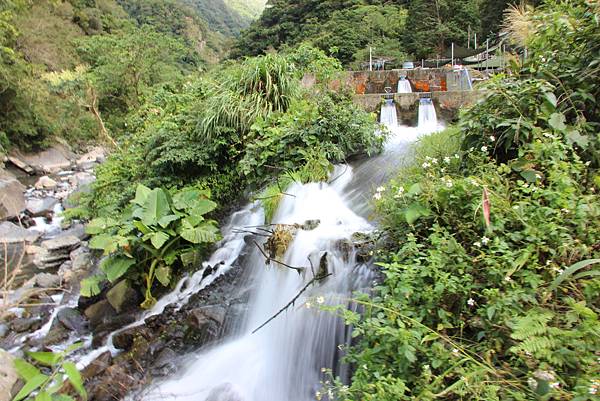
[(320, 300), (565, 211), (377, 196), (449, 184), (516, 207), (484, 149), (434, 161), (555, 385), (588, 163), (455, 352), (365, 367), (473, 181), (538, 176), (400, 193), (471, 149), (507, 279), (447, 160), (340, 347), (381, 189), (426, 165), (318, 395), (471, 302), (323, 370), (533, 384), (456, 156), (477, 244), (485, 240), (593, 390), (492, 138)]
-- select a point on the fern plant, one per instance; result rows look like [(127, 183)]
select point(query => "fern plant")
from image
[(158, 234)]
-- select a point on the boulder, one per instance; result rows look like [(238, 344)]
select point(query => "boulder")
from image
[(60, 243), (20, 164), (41, 207), (45, 182), (12, 200), (50, 161), (81, 179), (77, 230), (8, 376), (122, 297), (47, 280), (164, 364), (98, 366), (99, 312), (115, 382), (207, 322), (11, 233), (72, 320), (88, 160), (21, 324), (3, 330)]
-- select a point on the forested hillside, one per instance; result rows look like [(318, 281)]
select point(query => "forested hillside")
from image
[(411, 29), (228, 17)]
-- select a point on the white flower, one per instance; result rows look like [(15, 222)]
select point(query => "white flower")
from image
[(484, 148), (566, 211), (471, 149), (555, 385), (449, 184), (365, 367), (471, 302), (533, 384), (434, 161), (318, 395), (340, 347), (477, 244), (588, 163), (492, 138), (426, 165), (323, 370), (447, 160), (507, 279), (381, 189), (308, 305), (538, 176), (473, 182), (485, 240), (377, 196), (455, 352), (516, 207), (456, 156), (320, 300)]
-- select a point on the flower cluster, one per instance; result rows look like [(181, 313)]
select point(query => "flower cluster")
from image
[(379, 193)]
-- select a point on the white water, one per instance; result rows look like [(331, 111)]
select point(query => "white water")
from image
[(428, 121), (389, 115), (404, 86)]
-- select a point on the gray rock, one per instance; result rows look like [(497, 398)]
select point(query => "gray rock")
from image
[(215, 313), (21, 325), (47, 280), (72, 320), (207, 322), (62, 242), (80, 179), (45, 182), (3, 330), (50, 161), (164, 364), (21, 164), (11, 233), (77, 230), (122, 297), (41, 207), (99, 312), (8, 376), (12, 200), (96, 155)]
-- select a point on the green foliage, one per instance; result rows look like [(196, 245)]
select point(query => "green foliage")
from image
[(47, 383), (153, 239), (228, 17)]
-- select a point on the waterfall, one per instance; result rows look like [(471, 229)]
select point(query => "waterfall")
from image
[(428, 121), (389, 115), (404, 86)]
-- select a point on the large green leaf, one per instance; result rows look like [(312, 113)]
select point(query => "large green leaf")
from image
[(202, 207), (163, 275), (100, 225), (202, 234), (26, 370), (116, 266), (75, 378), (414, 212), (166, 220), (30, 385), (91, 286), (557, 121), (158, 239), (157, 206), (45, 358), (141, 195), (43, 396), (101, 241)]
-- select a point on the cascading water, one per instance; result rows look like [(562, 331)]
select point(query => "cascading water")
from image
[(428, 121), (283, 360), (404, 86), (389, 115)]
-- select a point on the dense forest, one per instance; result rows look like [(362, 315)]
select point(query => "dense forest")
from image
[(468, 272)]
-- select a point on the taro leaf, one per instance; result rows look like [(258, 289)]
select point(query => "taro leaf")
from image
[(157, 206), (202, 207), (116, 266), (100, 225), (572, 270), (45, 358), (415, 189), (186, 198), (163, 274), (557, 121), (201, 234), (574, 137), (43, 396), (141, 227), (30, 386), (171, 256), (26, 370), (90, 286), (166, 220), (102, 242), (158, 239), (414, 212), (530, 175), (141, 195), (191, 258), (75, 378)]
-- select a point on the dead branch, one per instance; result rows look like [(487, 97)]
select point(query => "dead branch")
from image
[(269, 260)]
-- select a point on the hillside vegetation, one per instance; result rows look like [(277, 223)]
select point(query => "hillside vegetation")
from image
[(229, 17)]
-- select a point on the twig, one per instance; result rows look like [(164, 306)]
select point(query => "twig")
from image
[(292, 302), (298, 269)]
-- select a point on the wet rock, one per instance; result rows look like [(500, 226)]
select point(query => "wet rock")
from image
[(89, 160), (47, 280), (72, 319), (45, 182), (110, 324), (8, 376), (12, 201), (310, 225), (164, 364), (21, 164), (21, 325), (3, 330), (57, 334), (11, 233), (61, 243), (122, 297), (207, 322), (98, 366), (124, 339), (77, 230), (80, 179), (115, 382), (41, 207), (225, 392), (99, 312)]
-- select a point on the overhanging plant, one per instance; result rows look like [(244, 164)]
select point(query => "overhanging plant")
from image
[(157, 235)]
